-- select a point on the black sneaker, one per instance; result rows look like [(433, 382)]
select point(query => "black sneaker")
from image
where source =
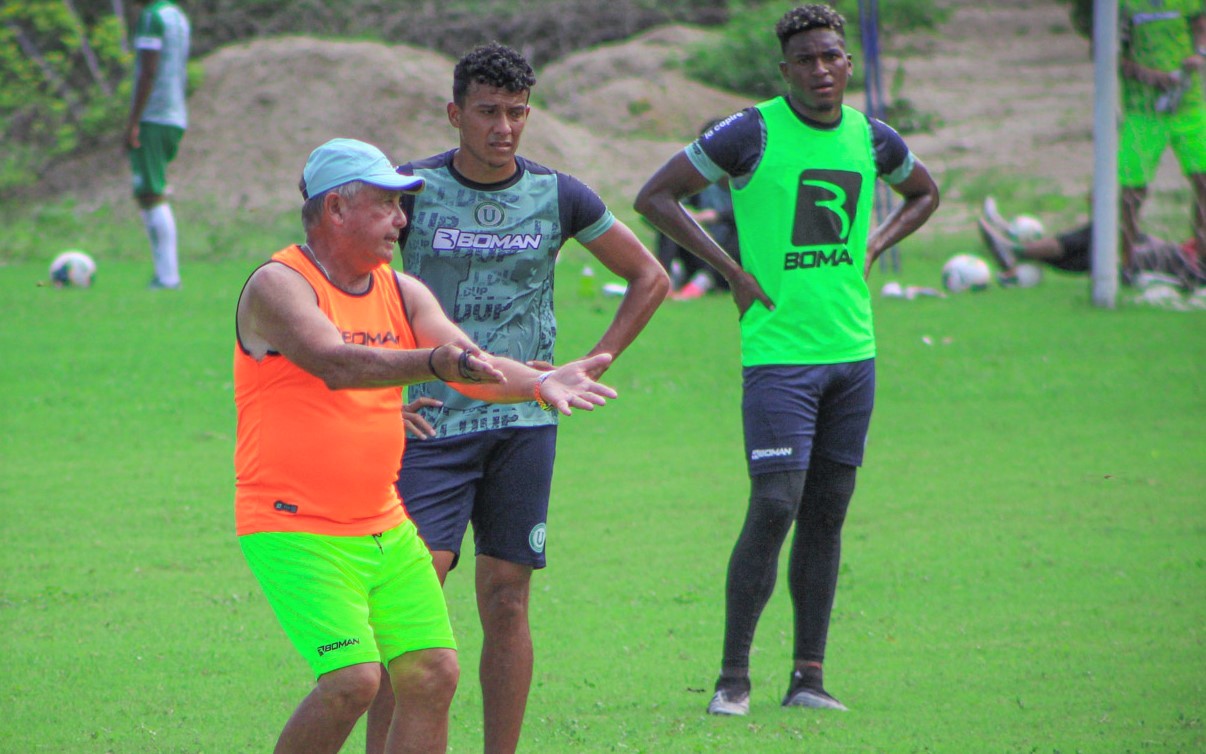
[(732, 696), (1002, 249), (804, 692), (729, 703)]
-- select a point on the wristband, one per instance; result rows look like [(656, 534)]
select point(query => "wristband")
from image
[(540, 401), (431, 363)]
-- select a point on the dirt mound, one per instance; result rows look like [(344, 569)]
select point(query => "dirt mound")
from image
[(1011, 86), (636, 89), (264, 105)]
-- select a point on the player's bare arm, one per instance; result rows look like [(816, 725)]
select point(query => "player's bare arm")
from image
[(278, 312), (564, 388), (920, 195), (1198, 30), (660, 201), (148, 62), (622, 253)]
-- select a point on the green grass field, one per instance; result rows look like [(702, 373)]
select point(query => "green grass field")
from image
[(1024, 570)]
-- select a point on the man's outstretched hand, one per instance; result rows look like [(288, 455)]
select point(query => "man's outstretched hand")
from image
[(570, 386)]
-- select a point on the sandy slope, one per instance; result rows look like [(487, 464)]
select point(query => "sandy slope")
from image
[(1011, 85)]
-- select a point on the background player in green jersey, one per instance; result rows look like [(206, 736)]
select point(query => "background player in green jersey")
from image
[(156, 124), (802, 170), (1162, 59), (484, 237)]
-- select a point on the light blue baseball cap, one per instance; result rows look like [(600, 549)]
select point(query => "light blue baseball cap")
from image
[(341, 161)]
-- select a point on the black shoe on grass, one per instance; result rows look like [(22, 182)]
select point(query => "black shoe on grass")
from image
[(729, 703), (807, 692)]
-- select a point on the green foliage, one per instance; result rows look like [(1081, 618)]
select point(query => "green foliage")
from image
[(62, 68), (746, 60), (901, 16), (1081, 15)]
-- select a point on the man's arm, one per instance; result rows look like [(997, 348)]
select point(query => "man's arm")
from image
[(623, 253), (278, 312), (569, 386), (1197, 31), (148, 66), (920, 200), (1164, 80), (660, 201)]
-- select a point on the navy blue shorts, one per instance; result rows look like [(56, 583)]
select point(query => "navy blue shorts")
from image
[(499, 479), (792, 413)]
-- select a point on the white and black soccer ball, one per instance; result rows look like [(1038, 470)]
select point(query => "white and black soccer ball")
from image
[(1029, 275), (74, 269), (965, 272), (1025, 228)]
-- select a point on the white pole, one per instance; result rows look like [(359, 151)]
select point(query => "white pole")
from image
[(1105, 153)]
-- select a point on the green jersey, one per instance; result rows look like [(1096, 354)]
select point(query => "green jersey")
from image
[(487, 252), (803, 196), (164, 28), (1157, 34)]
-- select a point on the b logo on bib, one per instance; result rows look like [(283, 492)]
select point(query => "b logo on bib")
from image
[(826, 205)]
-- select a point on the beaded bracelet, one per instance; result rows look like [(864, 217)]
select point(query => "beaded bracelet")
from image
[(540, 401)]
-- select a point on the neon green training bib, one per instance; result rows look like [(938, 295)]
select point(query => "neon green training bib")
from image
[(803, 220)]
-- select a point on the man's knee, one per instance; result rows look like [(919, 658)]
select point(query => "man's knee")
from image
[(775, 497), (148, 201), (502, 589), (428, 674), (828, 492), (350, 690)]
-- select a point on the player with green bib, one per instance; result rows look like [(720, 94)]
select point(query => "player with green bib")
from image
[(802, 169)]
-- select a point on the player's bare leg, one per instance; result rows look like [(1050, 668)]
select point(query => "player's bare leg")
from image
[(1128, 221), (423, 683), (506, 663), (381, 711), (1198, 181), (322, 722), (1044, 249)]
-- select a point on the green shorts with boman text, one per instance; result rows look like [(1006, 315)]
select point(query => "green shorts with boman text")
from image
[(1143, 136), (348, 600)]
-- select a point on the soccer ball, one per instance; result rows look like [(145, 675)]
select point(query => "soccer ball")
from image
[(1025, 228), (965, 272), (72, 269), (1029, 275)]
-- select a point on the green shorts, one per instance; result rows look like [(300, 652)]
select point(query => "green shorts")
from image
[(148, 164), (349, 600), (1144, 135)]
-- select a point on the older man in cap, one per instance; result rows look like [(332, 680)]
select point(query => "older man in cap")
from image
[(327, 335)]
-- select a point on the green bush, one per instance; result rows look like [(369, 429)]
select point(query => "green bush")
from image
[(747, 58), (62, 64)]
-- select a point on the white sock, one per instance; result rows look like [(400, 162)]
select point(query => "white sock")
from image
[(161, 230)]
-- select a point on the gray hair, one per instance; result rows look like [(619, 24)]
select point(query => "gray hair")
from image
[(311, 211)]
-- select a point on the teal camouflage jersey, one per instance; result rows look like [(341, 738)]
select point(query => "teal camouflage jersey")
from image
[(487, 252)]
